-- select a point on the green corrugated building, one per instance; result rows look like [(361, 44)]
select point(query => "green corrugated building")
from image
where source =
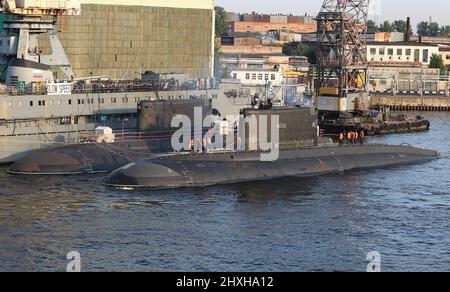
[(120, 39)]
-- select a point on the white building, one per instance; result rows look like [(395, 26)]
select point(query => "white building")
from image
[(258, 76), (259, 81), (401, 52)]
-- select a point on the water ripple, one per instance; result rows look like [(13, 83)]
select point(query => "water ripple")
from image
[(326, 223)]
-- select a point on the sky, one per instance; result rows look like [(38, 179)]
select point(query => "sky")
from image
[(419, 10)]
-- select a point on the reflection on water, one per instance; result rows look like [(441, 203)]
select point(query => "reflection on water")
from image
[(324, 223)]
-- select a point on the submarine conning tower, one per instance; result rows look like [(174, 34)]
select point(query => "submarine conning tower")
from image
[(298, 127), (157, 115)]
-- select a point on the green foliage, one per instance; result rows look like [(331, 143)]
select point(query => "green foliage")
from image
[(221, 25), (372, 27), (299, 49), (437, 62), (422, 28), (387, 27), (399, 26), (432, 29), (444, 31)]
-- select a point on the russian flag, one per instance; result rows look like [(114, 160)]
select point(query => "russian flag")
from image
[(37, 74)]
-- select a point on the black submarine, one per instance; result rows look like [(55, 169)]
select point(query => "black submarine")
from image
[(300, 155), (153, 137)]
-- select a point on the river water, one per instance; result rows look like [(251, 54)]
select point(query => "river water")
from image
[(326, 223)]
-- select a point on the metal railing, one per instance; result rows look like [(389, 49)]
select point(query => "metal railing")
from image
[(104, 87)]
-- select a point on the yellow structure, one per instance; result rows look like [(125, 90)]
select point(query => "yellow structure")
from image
[(334, 91), (445, 54), (122, 39)]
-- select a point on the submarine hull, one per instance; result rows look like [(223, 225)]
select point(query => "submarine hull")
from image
[(88, 158), (225, 168)]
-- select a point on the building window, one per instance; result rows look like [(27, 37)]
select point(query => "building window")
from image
[(234, 75), (399, 52), (70, 101), (390, 52), (426, 56), (247, 76), (408, 52), (260, 76), (373, 51), (382, 51), (254, 76), (113, 100), (447, 57), (417, 55), (266, 77), (31, 103), (273, 77)]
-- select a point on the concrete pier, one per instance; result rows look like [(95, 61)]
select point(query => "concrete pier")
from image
[(413, 102)]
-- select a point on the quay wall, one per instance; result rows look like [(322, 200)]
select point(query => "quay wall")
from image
[(413, 102)]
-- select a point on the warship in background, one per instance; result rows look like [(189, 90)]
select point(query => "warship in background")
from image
[(38, 111)]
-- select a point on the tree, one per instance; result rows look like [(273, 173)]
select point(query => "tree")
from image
[(437, 62), (221, 25), (430, 29), (386, 27), (422, 28), (433, 29), (444, 31), (372, 26), (399, 26), (299, 49)]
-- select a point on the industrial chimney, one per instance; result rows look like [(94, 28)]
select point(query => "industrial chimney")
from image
[(408, 32)]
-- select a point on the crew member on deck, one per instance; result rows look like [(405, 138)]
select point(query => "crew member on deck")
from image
[(349, 137), (341, 139), (361, 137)]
